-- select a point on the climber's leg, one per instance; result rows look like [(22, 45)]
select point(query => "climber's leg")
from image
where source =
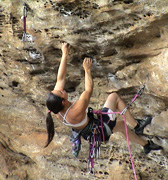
[(115, 103), (120, 127)]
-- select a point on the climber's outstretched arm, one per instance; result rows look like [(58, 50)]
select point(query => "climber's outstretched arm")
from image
[(61, 76)]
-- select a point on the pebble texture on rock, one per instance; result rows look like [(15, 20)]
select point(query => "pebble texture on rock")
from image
[(127, 40)]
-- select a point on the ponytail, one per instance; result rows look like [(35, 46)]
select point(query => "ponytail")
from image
[(54, 104), (50, 128)]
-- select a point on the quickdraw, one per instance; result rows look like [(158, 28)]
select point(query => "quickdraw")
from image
[(94, 148), (139, 93), (24, 23)]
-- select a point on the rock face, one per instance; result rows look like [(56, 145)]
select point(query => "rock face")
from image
[(127, 40)]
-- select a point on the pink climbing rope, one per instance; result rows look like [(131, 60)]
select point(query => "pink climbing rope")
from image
[(127, 137), (129, 149)]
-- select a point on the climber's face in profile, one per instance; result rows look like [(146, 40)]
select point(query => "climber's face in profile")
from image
[(61, 93)]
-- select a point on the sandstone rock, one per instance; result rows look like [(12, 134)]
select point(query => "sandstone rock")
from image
[(127, 40)]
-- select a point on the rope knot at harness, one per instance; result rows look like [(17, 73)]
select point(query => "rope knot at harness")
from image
[(101, 120)]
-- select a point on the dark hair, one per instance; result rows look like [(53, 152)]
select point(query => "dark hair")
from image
[(54, 104)]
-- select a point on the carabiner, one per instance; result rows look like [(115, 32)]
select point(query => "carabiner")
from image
[(141, 90)]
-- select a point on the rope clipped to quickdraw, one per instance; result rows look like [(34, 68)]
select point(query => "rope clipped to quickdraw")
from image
[(24, 38), (139, 93)]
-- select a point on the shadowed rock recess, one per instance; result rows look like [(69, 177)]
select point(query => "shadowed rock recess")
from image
[(128, 41)]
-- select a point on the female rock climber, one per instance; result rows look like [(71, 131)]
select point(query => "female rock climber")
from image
[(74, 115)]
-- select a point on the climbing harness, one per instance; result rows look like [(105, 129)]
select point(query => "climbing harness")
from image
[(96, 143), (24, 38)]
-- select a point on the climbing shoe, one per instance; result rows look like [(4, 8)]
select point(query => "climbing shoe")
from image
[(151, 146), (142, 123)]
